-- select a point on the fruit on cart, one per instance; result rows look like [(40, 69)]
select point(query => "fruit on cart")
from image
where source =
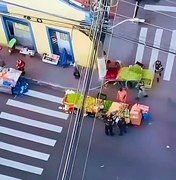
[(107, 105), (73, 98), (90, 104)]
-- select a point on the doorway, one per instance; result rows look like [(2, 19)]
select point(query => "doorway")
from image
[(19, 30), (60, 44)]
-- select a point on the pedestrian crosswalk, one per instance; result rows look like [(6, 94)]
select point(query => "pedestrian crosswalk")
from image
[(31, 139), (148, 56)]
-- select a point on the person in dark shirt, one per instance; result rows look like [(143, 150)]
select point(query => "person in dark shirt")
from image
[(122, 125), (109, 125), (158, 67)]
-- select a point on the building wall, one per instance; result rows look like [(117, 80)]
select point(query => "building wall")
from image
[(55, 7), (80, 42)]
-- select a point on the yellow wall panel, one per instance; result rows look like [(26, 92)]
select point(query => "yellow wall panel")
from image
[(82, 46), (41, 39), (3, 39), (53, 6)]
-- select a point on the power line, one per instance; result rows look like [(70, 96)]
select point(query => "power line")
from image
[(157, 12), (142, 43)]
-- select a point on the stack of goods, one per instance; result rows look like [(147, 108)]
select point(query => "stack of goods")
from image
[(147, 78), (126, 115), (135, 115), (90, 104), (145, 112), (107, 105), (133, 73)]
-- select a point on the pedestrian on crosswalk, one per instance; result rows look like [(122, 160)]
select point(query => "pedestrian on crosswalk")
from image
[(158, 67)]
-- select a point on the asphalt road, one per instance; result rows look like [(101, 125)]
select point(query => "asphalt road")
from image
[(33, 133), (147, 152)]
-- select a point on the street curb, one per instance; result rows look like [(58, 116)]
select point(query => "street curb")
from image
[(54, 86)]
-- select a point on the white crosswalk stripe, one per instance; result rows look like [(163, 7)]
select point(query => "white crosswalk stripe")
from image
[(24, 151), (44, 96), (160, 8), (170, 58), (30, 122), (155, 52), (169, 62), (37, 109), (28, 136), (21, 166), (140, 48), (4, 177)]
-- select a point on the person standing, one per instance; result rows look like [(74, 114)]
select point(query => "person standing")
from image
[(109, 126), (122, 95), (20, 64), (158, 67), (141, 90), (76, 72), (121, 125)]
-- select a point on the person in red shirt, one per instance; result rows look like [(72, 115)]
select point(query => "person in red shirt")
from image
[(122, 95), (20, 65)]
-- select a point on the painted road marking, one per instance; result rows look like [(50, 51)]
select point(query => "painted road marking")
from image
[(5, 177), (170, 58), (160, 8), (30, 122), (140, 48), (44, 96), (155, 52), (21, 166), (27, 136), (24, 151), (37, 109)]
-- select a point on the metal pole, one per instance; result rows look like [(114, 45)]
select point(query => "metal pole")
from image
[(80, 114)]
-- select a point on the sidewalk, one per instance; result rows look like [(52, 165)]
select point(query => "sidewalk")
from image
[(47, 74)]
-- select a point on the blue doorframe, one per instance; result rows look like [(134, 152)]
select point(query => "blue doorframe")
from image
[(55, 49), (7, 19)]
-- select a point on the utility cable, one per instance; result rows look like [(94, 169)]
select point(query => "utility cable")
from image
[(89, 81), (94, 121), (157, 12), (74, 134)]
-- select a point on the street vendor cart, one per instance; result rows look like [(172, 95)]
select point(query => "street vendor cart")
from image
[(96, 106), (132, 74), (8, 79)]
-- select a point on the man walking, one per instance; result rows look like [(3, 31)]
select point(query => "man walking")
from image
[(141, 90)]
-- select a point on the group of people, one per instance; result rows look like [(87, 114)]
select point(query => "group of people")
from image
[(122, 92), (112, 121)]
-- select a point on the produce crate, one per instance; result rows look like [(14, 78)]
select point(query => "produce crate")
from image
[(147, 78)]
